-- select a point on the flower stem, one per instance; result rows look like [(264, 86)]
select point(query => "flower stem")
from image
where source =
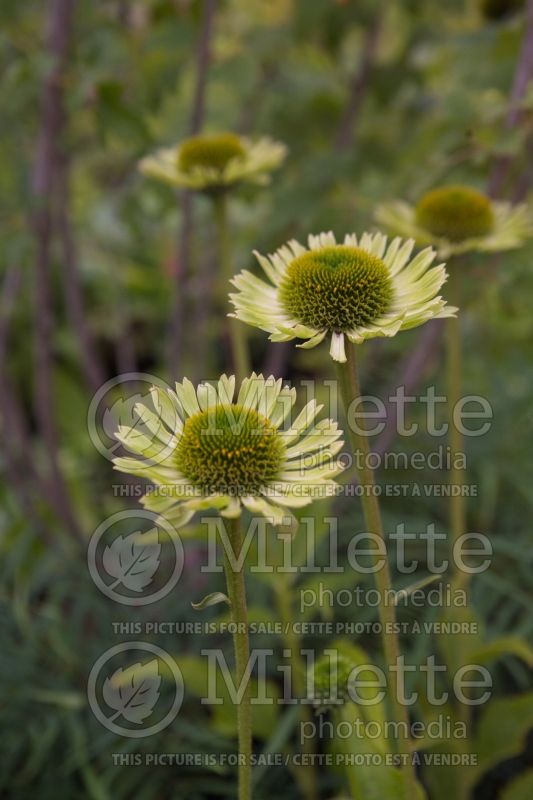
[(237, 334), (350, 390), (239, 616), (457, 507), (454, 358), (305, 774)]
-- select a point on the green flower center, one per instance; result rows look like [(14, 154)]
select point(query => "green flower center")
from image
[(455, 213), (214, 151), (229, 449), (336, 288), (331, 675)]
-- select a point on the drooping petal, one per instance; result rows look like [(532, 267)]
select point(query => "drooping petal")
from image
[(336, 350)]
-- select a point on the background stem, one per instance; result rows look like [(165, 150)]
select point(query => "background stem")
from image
[(239, 615), (454, 364), (350, 390), (305, 775), (457, 503), (237, 333)]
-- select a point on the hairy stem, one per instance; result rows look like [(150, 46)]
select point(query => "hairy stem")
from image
[(239, 616), (454, 380), (457, 502), (456, 442), (350, 390), (237, 334)]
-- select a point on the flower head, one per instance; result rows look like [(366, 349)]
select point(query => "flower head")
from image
[(203, 448), (214, 162), (359, 289), (455, 213), (330, 679), (458, 219)]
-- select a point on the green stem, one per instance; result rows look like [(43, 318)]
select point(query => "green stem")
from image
[(344, 714), (454, 353), (350, 390), (239, 616), (457, 507), (305, 775), (236, 329)]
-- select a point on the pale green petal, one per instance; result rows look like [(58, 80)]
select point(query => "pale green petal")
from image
[(322, 240), (233, 508), (272, 512), (154, 423), (187, 397), (137, 442), (304, 420), (226, 389), (400, 218), (251, 391), (165, 408), (336, 350), (322, 435), (270, 395), (284, 403), (207, 396), (254, 165), (286, 499), (313, 341)]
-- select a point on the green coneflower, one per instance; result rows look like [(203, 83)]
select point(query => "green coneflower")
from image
[(458, 219), (355, 290), (205, 449), (329, 679), (359, 289), (214, 162)]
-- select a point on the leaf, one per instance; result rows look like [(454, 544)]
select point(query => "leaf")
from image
[(211, 600), (132, 561), (135, 698), (372, 781), (414, 587), (502, 730), (376, 712), (444, 782), (196, 678), (457, 646), (521, 789), (506, 645), (72, 700), (501, 734)]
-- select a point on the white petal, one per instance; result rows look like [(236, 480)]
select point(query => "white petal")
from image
[(336, 350)]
